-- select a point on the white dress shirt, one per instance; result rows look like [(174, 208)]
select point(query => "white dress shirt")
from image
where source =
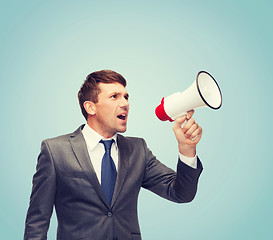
[(96, 150)]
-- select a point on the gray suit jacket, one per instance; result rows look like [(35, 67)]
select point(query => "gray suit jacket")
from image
[(65, 178)]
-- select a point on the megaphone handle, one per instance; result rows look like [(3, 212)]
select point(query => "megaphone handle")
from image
[(180, 115), (184, 123)]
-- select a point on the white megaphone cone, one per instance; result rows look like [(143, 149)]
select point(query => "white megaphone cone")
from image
[(203, 92)]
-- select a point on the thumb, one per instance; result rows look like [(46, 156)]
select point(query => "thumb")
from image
[(178, 122)]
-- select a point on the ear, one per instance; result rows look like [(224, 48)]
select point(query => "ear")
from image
[(90, 107)]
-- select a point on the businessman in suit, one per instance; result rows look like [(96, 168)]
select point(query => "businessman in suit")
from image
[(93, 176)]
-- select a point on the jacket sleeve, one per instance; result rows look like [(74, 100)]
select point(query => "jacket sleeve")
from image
[(42, 197), (179, 186)]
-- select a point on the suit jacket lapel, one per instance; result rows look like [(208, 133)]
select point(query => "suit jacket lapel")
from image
[(80, 150), (124, 155)]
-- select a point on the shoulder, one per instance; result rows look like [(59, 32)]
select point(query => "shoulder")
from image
[(133, 143), (130, 139), (63, 138)]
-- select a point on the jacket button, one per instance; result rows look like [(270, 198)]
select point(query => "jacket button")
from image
[(109, 214)]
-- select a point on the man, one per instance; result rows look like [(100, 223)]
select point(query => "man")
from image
[(93, 176)]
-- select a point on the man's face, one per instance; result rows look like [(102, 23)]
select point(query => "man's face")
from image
[(111, 110)]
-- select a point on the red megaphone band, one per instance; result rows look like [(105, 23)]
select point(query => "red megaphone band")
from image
[(160, 112)]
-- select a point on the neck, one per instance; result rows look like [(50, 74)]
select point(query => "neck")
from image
[(98, 129)]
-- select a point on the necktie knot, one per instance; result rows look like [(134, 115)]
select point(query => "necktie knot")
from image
[(107, 144)]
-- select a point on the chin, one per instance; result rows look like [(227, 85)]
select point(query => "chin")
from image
[(122, 130)]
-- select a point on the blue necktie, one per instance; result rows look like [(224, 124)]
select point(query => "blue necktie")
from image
[(108, 171)]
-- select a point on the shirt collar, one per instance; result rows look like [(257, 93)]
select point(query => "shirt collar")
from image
[(93, 138)]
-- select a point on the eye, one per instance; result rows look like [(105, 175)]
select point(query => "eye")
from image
[(114, 96), (126, 96)]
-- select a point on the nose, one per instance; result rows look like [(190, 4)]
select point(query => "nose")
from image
[(124, 103)]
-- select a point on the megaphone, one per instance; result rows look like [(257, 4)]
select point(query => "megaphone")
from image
[(203, 92)]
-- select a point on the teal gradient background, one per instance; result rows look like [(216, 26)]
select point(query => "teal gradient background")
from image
[(47, 49)]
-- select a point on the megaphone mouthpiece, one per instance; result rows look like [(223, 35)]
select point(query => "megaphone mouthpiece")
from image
[(160, 112)]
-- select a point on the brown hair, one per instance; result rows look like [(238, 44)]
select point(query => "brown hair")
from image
[(90, 90)]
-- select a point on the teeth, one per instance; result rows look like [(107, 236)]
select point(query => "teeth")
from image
[(122, 116)]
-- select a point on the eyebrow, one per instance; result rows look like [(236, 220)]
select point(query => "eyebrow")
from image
[(120, 93)]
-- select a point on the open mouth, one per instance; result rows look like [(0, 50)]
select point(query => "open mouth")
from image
[(122, 116)]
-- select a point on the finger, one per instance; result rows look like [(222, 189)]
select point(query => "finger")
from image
[(179, 121), (188, 125), (190, 113), (191, 130), (197, 132), (197, 139)]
